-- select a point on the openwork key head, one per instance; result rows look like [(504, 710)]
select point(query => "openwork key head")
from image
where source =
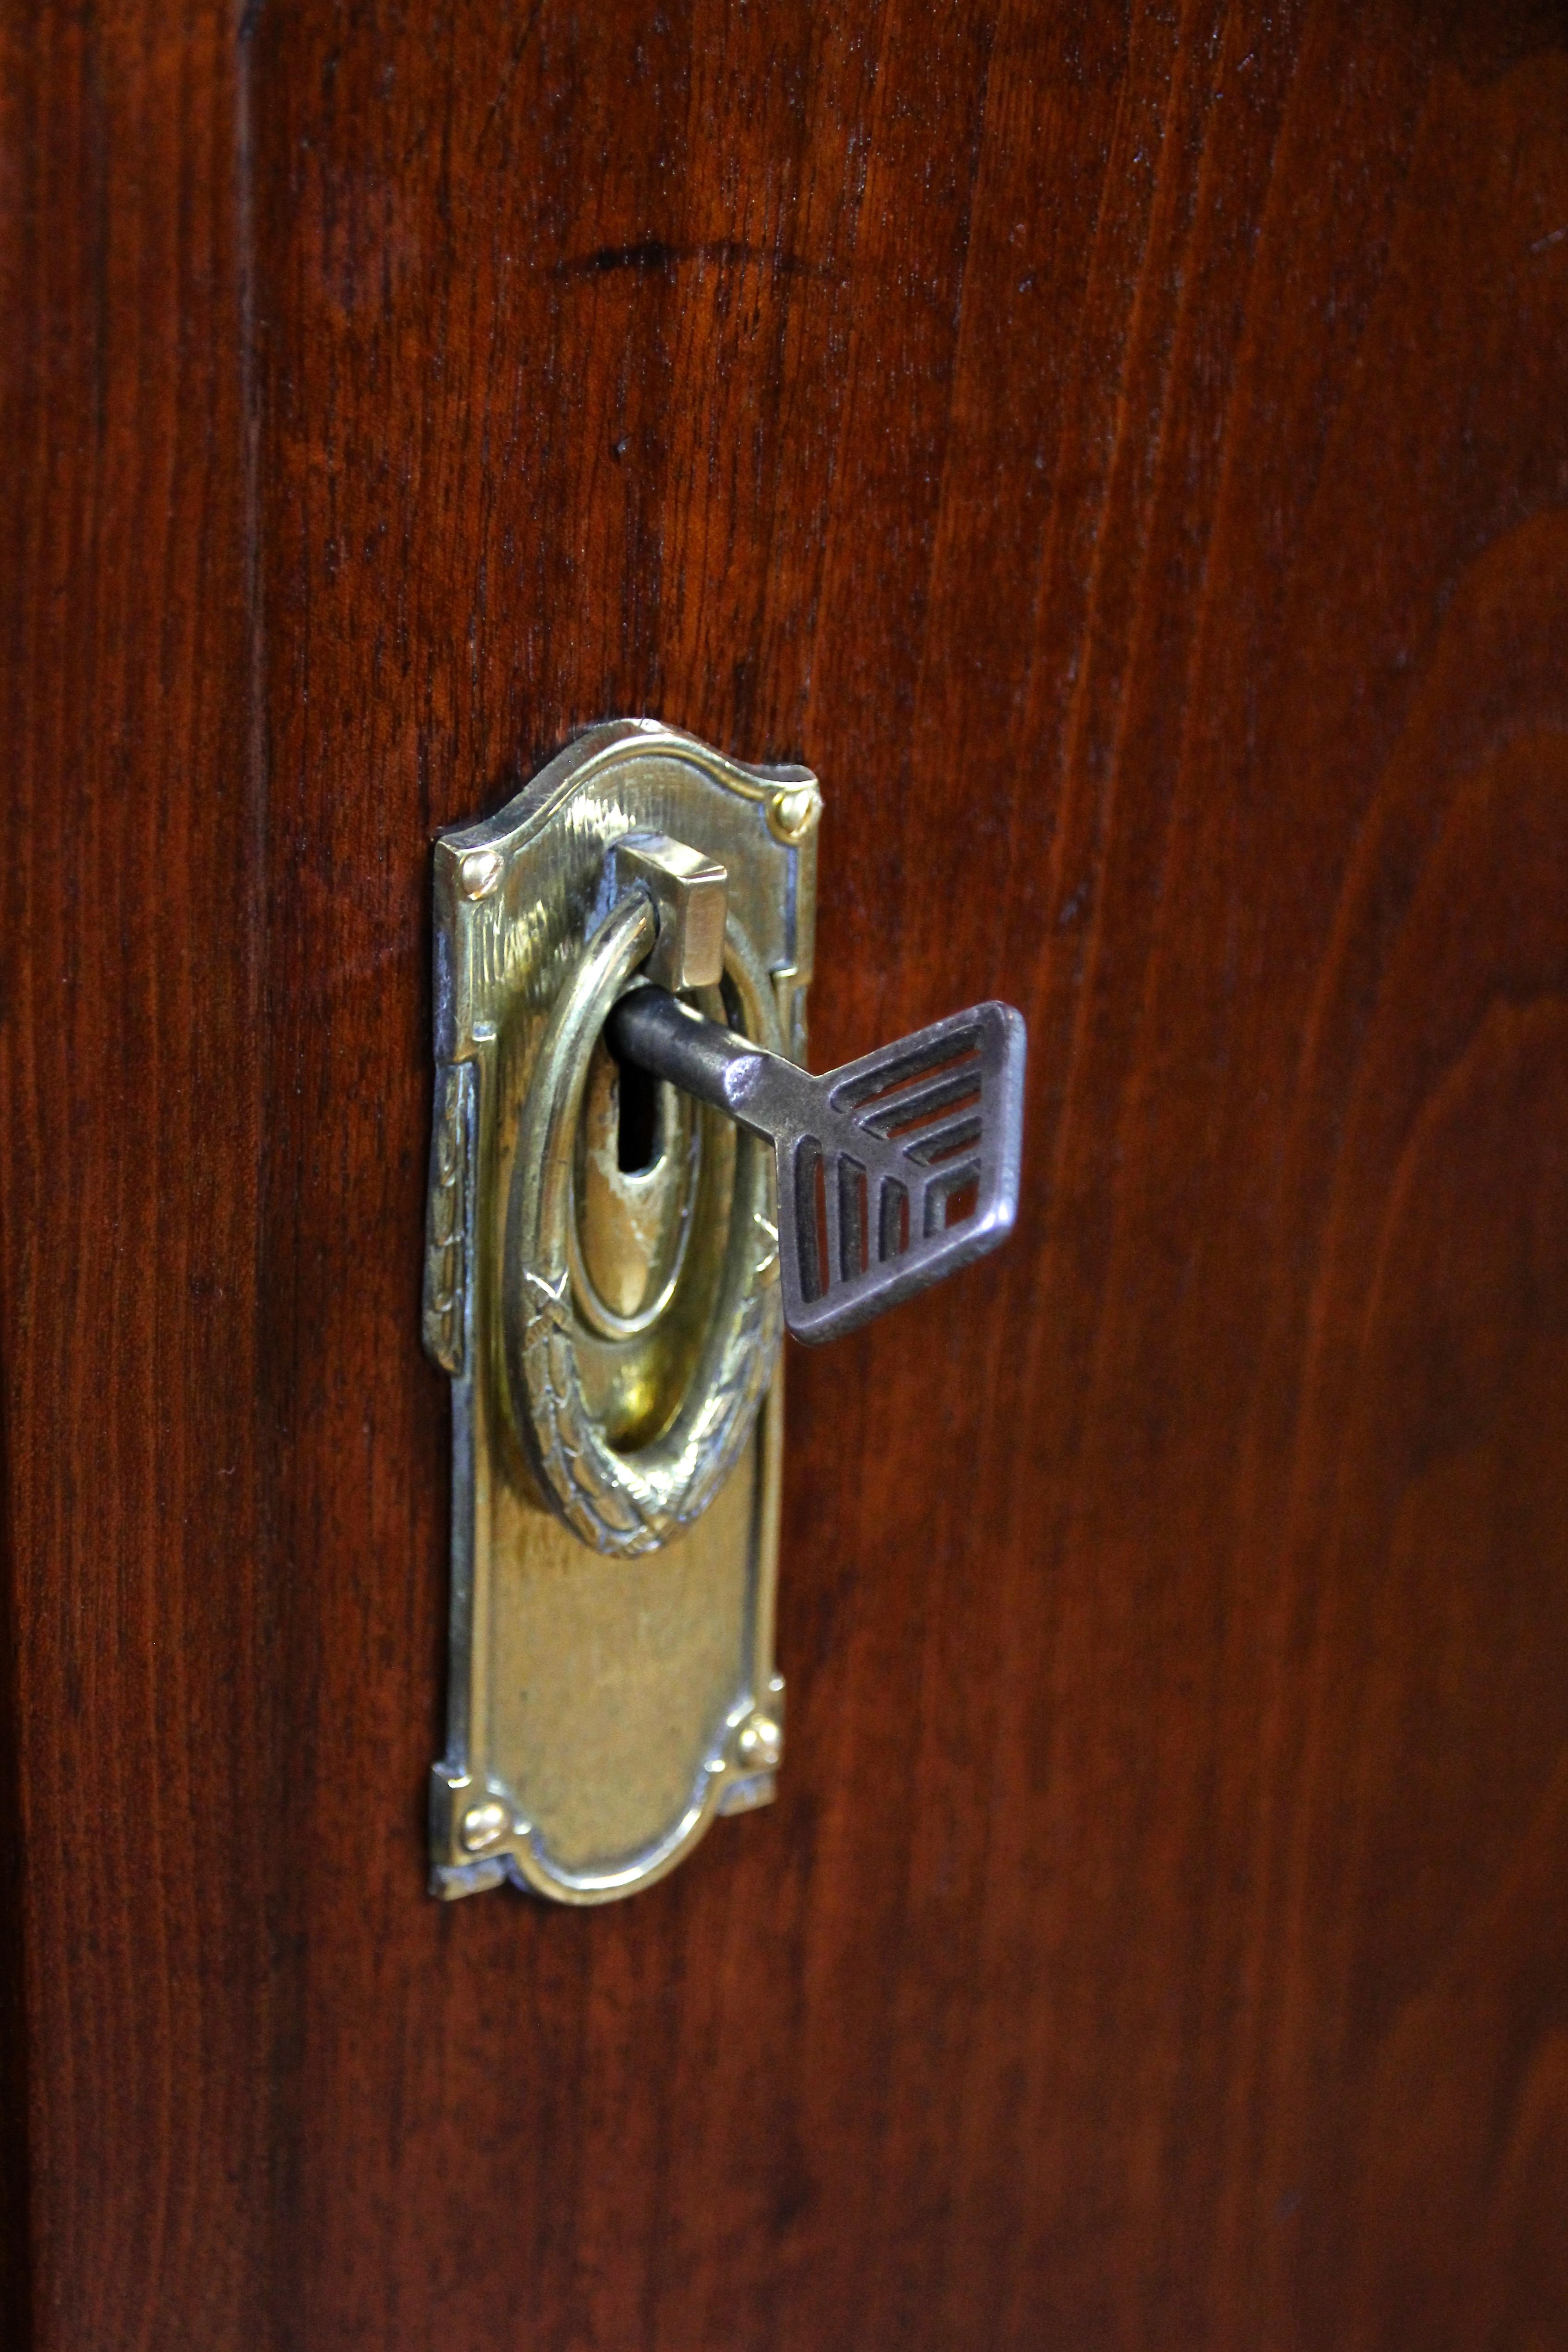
[(893, 1171), (900, 1168)]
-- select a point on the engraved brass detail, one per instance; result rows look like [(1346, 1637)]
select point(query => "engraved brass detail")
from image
[(445, 1248), (627, 1502), (606, 1705)]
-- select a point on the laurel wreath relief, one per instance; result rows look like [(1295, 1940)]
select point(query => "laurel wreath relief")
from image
[(626, 1504)]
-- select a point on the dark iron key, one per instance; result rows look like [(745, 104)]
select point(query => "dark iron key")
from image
[(893, 1171)]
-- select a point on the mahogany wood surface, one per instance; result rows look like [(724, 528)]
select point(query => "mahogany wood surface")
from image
[(1124, 451)]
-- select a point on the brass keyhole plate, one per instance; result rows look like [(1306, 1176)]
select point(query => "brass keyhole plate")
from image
[(602, 1710)]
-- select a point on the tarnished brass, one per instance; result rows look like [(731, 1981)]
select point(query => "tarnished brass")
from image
[(691, 901), (633, 1214), (627, 1483), (606, 1304)]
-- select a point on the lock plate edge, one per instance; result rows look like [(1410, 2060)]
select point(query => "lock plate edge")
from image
[(600, 1714)]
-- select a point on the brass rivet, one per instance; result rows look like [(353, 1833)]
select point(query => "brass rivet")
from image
[(480, 872), (482, 1824), (792, 812), (760, 1744)]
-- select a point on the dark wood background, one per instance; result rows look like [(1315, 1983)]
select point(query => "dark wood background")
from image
[(1124, 449)]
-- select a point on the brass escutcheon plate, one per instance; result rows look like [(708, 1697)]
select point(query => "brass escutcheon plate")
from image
[(602, 1709)]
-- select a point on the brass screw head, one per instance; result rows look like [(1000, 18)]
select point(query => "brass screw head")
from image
[(480, 872), (760, 1744), (791, 813), (482, 1824)]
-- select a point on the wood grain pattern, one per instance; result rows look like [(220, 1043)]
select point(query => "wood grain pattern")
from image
[(138, 1587), (1123, 450)]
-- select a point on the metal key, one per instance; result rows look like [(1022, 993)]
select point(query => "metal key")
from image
[(893, 1171)]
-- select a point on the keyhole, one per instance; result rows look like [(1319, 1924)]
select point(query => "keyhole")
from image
[(636, 1136)]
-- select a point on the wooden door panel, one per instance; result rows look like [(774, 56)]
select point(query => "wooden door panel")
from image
[(140, 1690), (1123, 453)]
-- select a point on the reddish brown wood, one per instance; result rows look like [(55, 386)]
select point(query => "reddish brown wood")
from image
[(139, 1585), (1125, 453)]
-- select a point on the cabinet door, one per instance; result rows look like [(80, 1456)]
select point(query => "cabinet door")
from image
[(1124, 452)]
